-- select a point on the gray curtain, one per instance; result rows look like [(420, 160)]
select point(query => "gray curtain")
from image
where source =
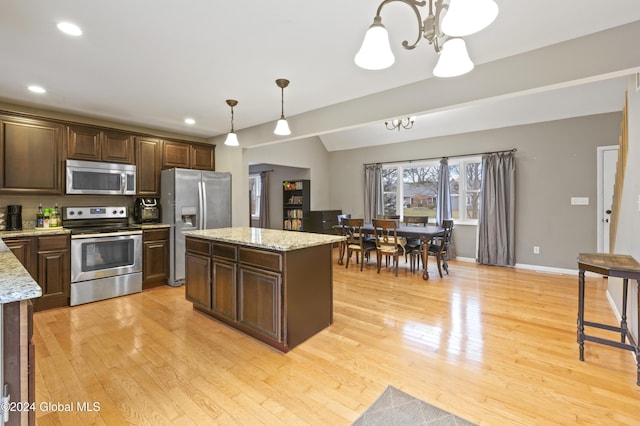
[(264, 200), (443, 202), (373, 203), (496, 226)]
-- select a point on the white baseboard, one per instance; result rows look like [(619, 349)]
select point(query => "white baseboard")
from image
[(537, 268)]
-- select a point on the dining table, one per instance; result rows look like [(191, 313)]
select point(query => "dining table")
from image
[(424, 233)]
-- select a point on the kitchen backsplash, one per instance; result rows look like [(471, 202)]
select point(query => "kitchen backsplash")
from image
[(30, 203)]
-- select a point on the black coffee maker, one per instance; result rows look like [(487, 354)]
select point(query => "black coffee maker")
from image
[(14, 218)]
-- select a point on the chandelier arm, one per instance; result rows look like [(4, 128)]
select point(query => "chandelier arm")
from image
[(413, 4)]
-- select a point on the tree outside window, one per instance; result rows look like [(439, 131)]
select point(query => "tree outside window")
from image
[(417, 194)]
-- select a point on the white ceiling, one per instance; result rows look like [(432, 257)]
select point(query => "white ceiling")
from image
[(155, 62)]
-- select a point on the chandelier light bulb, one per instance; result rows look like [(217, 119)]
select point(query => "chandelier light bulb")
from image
[(466, 17), (375, 52), (454, 59)]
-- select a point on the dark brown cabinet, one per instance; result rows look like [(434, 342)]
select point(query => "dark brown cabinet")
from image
[(23, 249), (31, 154), (260, 298), (322, 221), (155, 257), (148, 165), (19, 360), (198, 273), (54, 271), (280, 298), (203, 157), (224, 283), (47, 259), (95, 144), (188, 156)]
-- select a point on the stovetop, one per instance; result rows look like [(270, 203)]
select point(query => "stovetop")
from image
[(97, 220)]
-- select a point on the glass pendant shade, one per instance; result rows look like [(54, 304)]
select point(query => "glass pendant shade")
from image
[(466, 17), (454, 59), (375, 52), (282, 127), (232, 139)]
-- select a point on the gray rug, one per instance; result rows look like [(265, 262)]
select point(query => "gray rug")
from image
[(396, 408)]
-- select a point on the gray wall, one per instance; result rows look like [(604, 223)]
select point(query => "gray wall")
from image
[(555, 161)]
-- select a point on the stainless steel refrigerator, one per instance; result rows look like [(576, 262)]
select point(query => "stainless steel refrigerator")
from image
[(192, 199)]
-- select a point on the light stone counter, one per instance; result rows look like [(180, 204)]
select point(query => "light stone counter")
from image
[(154, 225), (266, 238), (34, 232), (15, 282)]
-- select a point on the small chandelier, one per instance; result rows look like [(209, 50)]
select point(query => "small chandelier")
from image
[(452, 19), (401, 123), (282, 127), (232, 138)]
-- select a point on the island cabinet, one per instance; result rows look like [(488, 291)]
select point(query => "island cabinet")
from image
[(278, 295)]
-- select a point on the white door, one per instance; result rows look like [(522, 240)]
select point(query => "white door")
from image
[(607, 161)]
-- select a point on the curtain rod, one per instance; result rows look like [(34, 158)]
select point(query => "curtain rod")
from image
[(444, 156)]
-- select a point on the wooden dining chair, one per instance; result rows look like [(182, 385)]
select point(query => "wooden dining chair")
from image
[(439, 246), (414, 246), (356, 241), (342, 246), (386, 236)]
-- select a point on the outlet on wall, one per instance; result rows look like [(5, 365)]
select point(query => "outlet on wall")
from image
[(536, 250)]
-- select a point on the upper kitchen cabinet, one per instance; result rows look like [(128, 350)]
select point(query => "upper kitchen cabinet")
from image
[(188, 156), (203, 157), (31, 154), (148, 165), (95, 144)]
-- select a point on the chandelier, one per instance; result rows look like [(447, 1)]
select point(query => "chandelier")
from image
[(442, 28), (401, 123)]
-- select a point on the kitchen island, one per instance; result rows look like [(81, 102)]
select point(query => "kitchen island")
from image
[(276, 286)]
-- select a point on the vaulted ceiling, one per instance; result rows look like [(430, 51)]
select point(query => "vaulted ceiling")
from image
[(155, 62)]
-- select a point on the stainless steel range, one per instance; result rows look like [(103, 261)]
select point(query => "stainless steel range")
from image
[(106, 253)]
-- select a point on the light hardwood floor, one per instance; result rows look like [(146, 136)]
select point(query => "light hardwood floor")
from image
[(492, 345)]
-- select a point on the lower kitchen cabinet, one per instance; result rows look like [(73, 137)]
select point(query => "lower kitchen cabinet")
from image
[(224, 282), (260, 300), (155, 257), (47, 259), (198, 268)]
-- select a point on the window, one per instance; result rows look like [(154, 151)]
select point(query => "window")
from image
[(417, 195), (254, 196)]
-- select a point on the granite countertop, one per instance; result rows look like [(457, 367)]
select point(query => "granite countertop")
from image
[(154, 225), (266, 238), (15, 282), (33, 232)]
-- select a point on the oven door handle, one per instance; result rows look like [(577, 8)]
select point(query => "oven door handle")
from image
[(106, 234)]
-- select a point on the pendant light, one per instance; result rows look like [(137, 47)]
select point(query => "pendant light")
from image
[(282, 127), (232, 138)]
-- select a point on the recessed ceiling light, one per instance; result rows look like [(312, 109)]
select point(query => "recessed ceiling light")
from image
[(37, 89), (69, 28), (190, 121)]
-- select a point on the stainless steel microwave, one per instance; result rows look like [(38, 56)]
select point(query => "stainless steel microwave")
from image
[(91, 177)]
